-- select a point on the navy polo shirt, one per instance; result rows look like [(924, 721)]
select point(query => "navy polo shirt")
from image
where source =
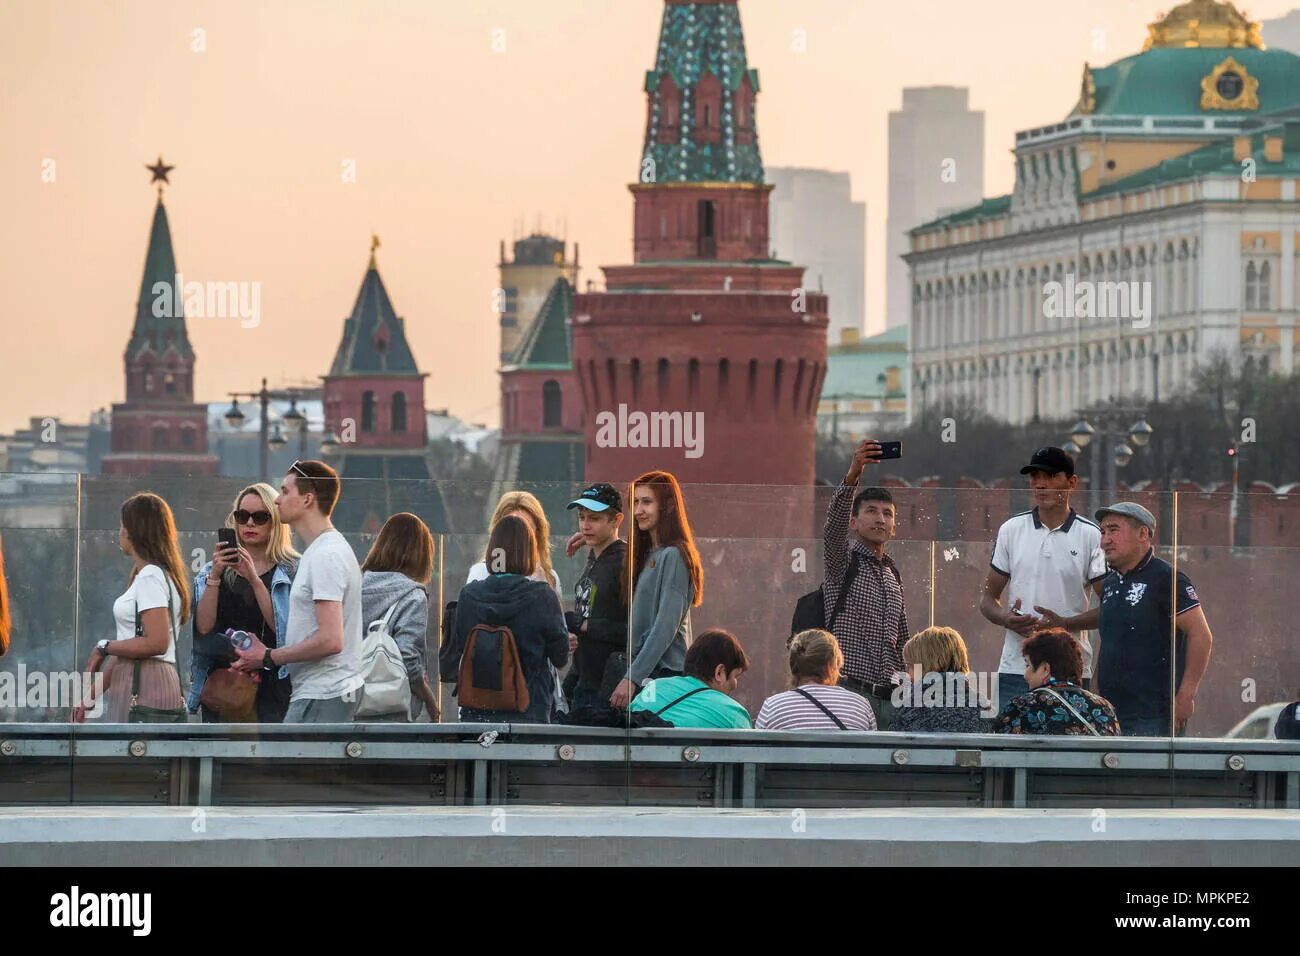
[(1135, 637)]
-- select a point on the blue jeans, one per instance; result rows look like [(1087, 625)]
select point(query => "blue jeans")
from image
[(1010, 685)]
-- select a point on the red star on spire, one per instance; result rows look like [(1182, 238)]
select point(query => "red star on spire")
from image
[(159, 171)]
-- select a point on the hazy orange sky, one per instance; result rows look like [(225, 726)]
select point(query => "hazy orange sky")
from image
[(454, 145)]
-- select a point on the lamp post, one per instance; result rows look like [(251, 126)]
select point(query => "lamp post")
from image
[(293, 419), (1115, 444)]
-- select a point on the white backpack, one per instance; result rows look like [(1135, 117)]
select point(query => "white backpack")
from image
[(388, 691)]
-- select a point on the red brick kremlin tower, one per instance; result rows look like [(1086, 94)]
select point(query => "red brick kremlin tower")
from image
[(159, 429), (703, 320)]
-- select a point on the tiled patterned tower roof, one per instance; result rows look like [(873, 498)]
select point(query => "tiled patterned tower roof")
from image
[(701, 124)]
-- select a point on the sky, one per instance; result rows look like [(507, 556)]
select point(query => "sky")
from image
[(300, 127)]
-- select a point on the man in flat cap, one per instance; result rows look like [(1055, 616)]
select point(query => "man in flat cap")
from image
[(1146, 612)]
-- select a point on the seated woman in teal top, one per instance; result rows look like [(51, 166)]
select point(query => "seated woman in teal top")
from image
[(700, 698)]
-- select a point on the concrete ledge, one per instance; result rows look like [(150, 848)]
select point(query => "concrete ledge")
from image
[(498, 836)]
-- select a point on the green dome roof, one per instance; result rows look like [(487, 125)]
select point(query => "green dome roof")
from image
[(1166, 81)]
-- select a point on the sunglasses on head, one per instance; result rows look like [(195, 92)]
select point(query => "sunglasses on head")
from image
[(258, 518), (295, 467)]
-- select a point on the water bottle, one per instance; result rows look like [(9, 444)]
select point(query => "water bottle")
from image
[(242, 640)]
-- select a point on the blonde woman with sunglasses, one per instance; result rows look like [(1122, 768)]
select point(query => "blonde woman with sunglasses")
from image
[(245, 588)]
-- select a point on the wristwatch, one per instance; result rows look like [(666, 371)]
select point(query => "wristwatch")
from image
[(267, 663), (103, 646)]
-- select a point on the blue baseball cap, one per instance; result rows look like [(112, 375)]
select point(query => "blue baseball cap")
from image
[(599, 497)]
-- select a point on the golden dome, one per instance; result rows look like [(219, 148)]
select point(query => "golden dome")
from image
[(1204, 23)]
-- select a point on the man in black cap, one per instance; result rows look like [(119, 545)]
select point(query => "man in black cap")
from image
[(1138, 628), (598, 624), (1046, 560)]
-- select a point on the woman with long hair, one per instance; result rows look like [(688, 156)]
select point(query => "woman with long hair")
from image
[(394, 584), (662, 569), (245, 588), (524, 504), (511, 597), (140, 677), (5, 622)]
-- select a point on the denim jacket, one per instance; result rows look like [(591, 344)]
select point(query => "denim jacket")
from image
[(200, 663)]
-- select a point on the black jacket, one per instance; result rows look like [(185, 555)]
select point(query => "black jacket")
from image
[(532, 612), (599, 598)]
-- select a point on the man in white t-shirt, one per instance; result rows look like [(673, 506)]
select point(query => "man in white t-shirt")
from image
[(322, 642), (1046, 560)]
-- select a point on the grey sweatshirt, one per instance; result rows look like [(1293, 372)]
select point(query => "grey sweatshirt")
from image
[(410, 621), (661, 615)]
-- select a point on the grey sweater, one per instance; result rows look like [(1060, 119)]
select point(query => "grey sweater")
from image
[(661, 615), (410, 620)]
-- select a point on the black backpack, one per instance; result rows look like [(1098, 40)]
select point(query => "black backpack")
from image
[(810, 610)]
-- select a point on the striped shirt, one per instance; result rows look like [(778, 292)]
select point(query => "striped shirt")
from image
[(791, 710)]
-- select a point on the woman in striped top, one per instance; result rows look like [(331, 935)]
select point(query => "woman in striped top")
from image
[(817, 702)]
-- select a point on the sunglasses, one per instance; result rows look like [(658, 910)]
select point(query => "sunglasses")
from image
[(258, 518)]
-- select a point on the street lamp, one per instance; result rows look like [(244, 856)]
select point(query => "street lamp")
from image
[(1070, 448), (277, 439), (329, 445), (293, 419), (1113, 449), (234, 415)]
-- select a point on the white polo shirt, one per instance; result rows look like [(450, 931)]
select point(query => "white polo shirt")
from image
[(1052, 568)]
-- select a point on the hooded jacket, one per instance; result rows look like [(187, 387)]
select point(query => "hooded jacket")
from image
[(381, 590), (532, 612)]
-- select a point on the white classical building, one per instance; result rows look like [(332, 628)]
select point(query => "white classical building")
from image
[(1175, 176)]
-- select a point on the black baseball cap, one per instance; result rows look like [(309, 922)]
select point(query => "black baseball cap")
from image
[(599, 497), (1051, 460)]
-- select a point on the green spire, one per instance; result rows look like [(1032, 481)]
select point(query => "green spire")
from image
[(547, 343), (374, 338), (701, 92), (159, 331)]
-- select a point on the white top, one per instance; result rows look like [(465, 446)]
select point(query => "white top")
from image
[(1052, 568), (327, 571), (791, 710), (479, 572), (150, 589)]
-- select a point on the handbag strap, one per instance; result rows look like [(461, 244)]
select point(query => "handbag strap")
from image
[(1091, 729), (661, 711), (824, 709), (139, 632)]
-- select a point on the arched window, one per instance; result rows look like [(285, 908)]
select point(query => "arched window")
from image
[(399, 412), (368, 411), (1252, 286), (552, 405), (663, 380), (1265, 286), (160, 437)]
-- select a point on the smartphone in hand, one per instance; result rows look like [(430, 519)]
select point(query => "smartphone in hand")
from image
[(889, 450), (226, 538)]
